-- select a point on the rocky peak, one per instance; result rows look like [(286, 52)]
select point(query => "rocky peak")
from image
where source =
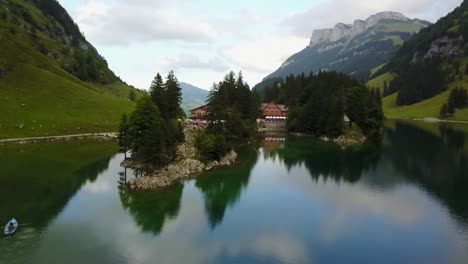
[(345, 31)]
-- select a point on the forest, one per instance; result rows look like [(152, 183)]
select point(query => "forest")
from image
[(318, 103), (232, 118), (153, 131)]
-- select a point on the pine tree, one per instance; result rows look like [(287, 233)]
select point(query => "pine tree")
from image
[(147, 134), (158, 94), (444, 111), (173, 96), (451, 103)]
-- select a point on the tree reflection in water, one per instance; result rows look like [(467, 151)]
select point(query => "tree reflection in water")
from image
[(222, 188), (151, 209)]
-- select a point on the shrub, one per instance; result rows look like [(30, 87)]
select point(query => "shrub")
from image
[(210, 146)]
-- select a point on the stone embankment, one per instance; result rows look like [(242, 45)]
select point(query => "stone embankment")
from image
[(186, 165), (345, 140)]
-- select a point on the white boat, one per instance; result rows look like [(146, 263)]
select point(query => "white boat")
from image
[(11, 227)]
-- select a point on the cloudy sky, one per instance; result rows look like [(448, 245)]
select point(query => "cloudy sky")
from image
[(202, 40)]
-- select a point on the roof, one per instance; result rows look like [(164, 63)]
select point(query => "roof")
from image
[(198, 108), (282, 107)]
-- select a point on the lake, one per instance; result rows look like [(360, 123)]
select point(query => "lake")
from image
[(400, 199)]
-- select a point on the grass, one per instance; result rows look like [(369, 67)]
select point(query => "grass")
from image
[(44, 104), (395, 39), (39, 98), (398, 27), (427, 108), (376, 69), (378, 82)]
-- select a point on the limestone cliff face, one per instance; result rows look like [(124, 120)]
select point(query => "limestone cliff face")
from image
[(343, 31)]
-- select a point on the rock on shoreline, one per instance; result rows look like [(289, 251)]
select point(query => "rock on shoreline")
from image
[(177, 172), (186, 165)]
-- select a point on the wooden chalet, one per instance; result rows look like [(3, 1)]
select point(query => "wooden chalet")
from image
[(200, 112), (273, 112)]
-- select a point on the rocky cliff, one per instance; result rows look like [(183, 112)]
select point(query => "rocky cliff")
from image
[(344, 31)]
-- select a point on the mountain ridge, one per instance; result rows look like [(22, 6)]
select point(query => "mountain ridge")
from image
[(342, 30), (351, 49)]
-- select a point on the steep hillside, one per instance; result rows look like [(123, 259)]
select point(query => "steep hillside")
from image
[(192, 97), (355, 49), (427, 68), (52, 81)]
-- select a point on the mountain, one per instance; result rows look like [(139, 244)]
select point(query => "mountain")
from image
[(356, 49), (192, 97), (52, 80), (423, 73)]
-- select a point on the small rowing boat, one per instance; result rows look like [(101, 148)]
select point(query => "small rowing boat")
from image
[(11, 227)]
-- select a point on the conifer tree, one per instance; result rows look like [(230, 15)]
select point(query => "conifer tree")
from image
[(444, 110), (173, 96), (158, 94)]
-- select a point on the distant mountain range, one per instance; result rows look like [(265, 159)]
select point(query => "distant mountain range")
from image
[(357, 49), (192, 97)]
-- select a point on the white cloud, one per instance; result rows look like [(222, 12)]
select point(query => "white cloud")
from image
[(263, 55), (328, 13), (191, 61), (202, 42), (124, 22)]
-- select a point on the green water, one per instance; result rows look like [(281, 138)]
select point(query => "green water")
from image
[(400, 199)]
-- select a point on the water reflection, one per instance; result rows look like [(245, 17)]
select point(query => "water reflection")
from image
[(223, 187), (37, 181), (151, 209), (436, 159), (325, 159), (399, 200)]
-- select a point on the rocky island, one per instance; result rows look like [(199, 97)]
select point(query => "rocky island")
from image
[(187, 164)]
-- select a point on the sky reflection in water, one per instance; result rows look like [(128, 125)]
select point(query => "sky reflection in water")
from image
[(400, 200)]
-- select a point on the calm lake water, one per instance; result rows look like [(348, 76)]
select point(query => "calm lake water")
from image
[(402, 199)]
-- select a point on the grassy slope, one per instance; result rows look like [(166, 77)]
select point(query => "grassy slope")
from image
[(44, 104), (378, 82), (38, 98), (427, 108)]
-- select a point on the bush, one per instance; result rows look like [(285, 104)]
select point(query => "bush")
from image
[(210, 146)]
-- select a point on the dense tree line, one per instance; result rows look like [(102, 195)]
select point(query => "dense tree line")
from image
[(458, 99), (318, 103), (153, 131), (418, 82), (232, 116)]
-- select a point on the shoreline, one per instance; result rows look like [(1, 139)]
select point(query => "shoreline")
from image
[(105, 136), (428, 120), (186, 165)]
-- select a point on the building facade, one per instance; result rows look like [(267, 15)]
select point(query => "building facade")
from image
[(273, 112), (199, 112)]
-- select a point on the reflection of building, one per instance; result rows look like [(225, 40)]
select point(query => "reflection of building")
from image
[(199, 112), (273, 112)]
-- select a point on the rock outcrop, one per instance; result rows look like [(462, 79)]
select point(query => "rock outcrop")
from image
[(344, 31), (177, 172), (186, 165)]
